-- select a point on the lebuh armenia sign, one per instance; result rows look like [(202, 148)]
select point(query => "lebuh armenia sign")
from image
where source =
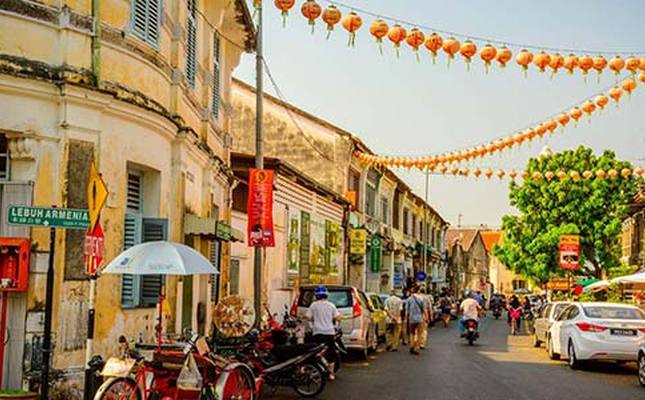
[(48, 217)]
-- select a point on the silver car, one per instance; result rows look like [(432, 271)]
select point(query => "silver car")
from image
[(545, 317), (359, 330)]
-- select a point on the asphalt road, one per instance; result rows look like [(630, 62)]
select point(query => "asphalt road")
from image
[(497, 367)]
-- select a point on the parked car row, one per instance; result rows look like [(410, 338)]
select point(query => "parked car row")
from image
[(594, 331)]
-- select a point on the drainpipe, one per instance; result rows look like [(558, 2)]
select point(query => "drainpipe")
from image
[(96, 41), (346, 228)]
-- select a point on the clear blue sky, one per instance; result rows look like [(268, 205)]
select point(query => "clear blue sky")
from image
[(399, 106)]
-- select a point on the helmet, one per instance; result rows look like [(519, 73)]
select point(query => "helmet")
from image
[(468, 293), (321, 292)]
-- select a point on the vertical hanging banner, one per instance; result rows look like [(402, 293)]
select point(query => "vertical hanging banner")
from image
[(305, 244), (376, 252), (570, 252), (260, 208)]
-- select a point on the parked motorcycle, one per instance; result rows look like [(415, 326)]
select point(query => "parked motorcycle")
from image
[(471, 333), (301, 367)]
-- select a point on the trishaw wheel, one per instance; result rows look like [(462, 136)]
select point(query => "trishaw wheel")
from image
[(118, 389), (236, 383)]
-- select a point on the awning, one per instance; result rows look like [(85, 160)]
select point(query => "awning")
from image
[(586, 282), (211, 228)]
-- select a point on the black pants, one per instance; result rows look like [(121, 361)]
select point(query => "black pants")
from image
[(331, 354)]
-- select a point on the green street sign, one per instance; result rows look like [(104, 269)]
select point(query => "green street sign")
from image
[(48, 217), (223, 230)]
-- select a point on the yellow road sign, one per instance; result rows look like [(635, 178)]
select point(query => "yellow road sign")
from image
[(97, 193)]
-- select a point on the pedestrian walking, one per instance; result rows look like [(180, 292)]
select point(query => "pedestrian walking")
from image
[(424, 327), (416, 313), (405, 328), (445, 302), (323, 314), (393, 320)]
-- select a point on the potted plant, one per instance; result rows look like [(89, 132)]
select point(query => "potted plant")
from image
[(17, 394)]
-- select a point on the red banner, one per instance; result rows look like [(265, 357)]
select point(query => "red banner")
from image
[(260, 208)]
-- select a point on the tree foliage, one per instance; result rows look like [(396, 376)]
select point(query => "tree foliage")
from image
[(593, 209)]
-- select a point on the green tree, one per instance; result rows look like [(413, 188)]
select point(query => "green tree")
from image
[(592, 208)]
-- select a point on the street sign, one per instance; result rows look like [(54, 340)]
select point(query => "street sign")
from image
[(421, 276), (48, 217), (97, 193), (357, 241), (94, 249), (570, 252)]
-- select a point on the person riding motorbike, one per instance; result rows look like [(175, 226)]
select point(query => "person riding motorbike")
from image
[(323, 314), (496, 305), (469, 309)]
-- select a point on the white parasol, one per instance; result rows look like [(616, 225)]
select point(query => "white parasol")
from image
[(160, 258), (638, 277)]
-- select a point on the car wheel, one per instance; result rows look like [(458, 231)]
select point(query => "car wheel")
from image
[(552, 354), (373, 343), (536, 341), (641, 369), (574, 363)]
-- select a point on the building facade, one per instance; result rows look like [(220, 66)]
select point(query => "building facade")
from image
[(310, 221), (383, 206), (468, 259), (142, 88)]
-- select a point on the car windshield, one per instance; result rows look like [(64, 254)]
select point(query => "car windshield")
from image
[(341, 298), (603, 312)]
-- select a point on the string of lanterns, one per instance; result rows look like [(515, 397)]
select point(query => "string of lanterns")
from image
[(441, 42), (625, 173), (591, 105)]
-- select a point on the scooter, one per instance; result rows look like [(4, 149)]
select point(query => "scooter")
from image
[(497, 311), (471, 333), (301, 367)]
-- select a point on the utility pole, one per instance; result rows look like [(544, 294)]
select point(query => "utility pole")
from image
[(259, 163), (459, 220), (425, 224)]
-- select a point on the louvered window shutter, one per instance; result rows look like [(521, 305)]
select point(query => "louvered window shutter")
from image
[(191, 44), (130, 286), (154, 229), (216, 75), (216, 252), (146, 20)]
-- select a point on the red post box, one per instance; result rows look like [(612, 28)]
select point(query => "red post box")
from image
[(14, 264)]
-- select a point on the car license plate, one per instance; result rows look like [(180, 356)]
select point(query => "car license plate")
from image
[(623, 332)]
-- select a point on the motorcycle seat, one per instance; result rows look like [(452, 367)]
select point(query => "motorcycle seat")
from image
[(293, 350)]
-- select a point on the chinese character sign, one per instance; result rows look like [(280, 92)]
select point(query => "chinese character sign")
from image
[(569, 252), (260, 208)]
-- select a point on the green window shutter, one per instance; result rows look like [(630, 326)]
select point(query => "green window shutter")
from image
[(191, 44), (216, 75), (153, 229), (216, 251), (130, 284), (146, 20)]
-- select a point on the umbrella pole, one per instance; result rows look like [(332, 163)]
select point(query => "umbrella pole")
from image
[(162, 297)]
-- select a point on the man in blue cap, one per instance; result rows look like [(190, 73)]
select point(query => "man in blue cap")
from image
[(323, 315)]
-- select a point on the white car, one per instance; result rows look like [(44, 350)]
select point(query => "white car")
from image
[(597, 331), (544, 319)]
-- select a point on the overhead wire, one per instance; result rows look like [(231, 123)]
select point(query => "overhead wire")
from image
[(476, 37)]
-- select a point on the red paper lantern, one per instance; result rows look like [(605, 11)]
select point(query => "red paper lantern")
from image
[(500, 174), (542, 61), (352, 23), (396, 35), (601, 101), (284, 6), (488, 173), (525, 175), (549, 175), (629, 85), (415, 39), (331, 16), (477, 172), (574, 175), (599, 64), (632, 64), (563, 119), (617, 64), (487, 54), (612, 173), (468, 50), (311, 10), (451, 47), (575, 114), (641, 77), (571, 63), (504, 55), (557, 62), (639, 171), (600, 174), (551, 125), (585, 63), (562, 175), (588, 107), (541, 129), (626, 172), (512, 175), (524, 58), (616, 93), (537, 176), (379, 30), (433, 43), (587, 174)]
